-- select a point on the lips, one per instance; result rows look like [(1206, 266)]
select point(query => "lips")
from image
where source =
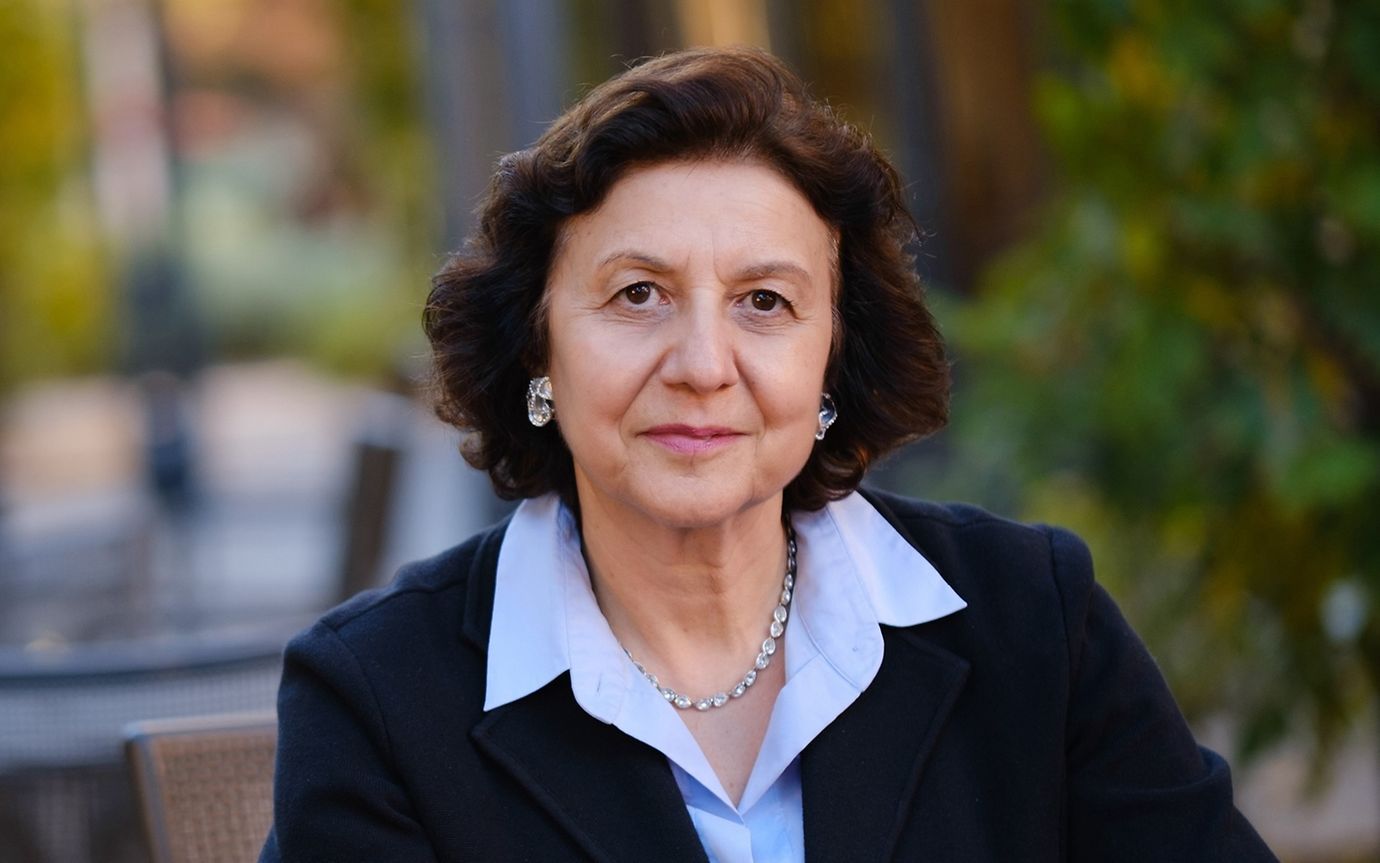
[(692, 440)]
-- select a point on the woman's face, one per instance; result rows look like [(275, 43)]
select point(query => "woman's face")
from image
[(690, 323)]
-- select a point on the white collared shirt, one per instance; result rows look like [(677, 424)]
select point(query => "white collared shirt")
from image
[(854, 573)]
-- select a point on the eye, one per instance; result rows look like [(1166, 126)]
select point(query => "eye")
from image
[(638, 293), (765, 301)]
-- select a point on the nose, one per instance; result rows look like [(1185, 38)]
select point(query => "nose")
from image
[(701, 354)]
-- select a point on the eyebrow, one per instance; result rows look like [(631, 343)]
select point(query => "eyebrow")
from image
[(631, 256), (753, 272), (772, 269)]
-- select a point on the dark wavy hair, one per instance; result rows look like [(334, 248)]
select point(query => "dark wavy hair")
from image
[(485, 316)]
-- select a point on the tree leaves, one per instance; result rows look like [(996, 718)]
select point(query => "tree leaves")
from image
[(1183, 358)]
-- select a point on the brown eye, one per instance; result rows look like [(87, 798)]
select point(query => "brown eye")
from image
[(638, 294), (765, 301)]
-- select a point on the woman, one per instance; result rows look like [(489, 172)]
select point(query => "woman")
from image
[(685, 327)]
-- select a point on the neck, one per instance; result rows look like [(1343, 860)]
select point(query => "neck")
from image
[(692, 604)]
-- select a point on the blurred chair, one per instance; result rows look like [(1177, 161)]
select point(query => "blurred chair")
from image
[(381, 442), (367, 513), (205, 785), (64, 785)]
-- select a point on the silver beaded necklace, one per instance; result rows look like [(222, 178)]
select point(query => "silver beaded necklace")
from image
[(775, 631)]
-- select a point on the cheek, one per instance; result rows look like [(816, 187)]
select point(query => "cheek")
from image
[(609, 402), (790, 405), (807, 368), (597, 379)]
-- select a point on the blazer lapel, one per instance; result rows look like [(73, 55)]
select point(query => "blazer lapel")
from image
[(859, 775), (615, 795)]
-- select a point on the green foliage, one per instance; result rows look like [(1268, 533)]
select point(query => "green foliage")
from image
[(312, 234), (275, 270), (391, 126), (55, 301), (1183, 358)]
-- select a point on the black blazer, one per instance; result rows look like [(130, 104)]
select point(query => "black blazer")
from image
[(1031, 726)]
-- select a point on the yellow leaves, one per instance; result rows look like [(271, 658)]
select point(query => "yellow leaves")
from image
[(1142, 242), (58, 304), (1278, 182), (54, 295), (1209, 301), (1184, 531), (1137, 75), (1330, 382), (39, 96)]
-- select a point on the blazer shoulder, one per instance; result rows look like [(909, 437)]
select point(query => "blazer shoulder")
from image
[(931, 518), (976, 550), (909, 509)]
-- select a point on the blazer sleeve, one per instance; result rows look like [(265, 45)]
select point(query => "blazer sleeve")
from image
[(335, 797), (1139, 786)]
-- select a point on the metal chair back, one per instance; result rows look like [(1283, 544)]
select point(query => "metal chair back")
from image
[(205, 785)]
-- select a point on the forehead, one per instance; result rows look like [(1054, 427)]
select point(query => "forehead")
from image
[(734, 208)]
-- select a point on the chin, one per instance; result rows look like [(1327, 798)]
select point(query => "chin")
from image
[(679, 499), (695, 505)]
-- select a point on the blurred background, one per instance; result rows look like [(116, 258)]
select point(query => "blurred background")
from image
[(1152, 239)]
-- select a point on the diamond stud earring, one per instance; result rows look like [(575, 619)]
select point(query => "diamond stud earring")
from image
[(540, 409), (827, 415)]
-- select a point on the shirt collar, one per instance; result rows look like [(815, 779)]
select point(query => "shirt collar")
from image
[(857, 572), (528, 647)]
